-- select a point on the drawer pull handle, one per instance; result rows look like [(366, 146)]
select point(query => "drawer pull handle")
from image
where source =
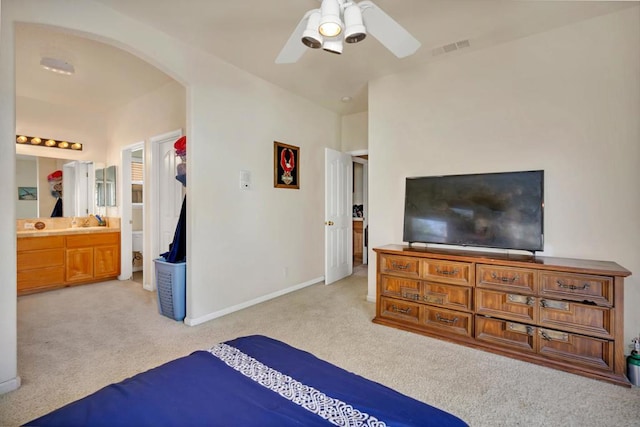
[(524, 329), (557, 305), (447, 272), (551, 336), (572, 287), (436, 300), (411, 296), (504, 279), (445, 320), (397, 266), (401, 310), (521, 299)]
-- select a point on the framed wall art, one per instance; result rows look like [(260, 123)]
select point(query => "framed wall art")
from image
[(27, 193), (286, 165)]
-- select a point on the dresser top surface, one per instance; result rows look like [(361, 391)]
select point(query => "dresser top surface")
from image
[(513, 259)]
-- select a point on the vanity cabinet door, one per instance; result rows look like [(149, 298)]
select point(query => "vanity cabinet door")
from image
[(79, 265), (106, 261)]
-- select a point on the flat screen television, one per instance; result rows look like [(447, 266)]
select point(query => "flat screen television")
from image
[(495, 210)]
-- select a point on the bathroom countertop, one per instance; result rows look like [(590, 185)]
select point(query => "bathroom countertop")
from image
[(73, 230)]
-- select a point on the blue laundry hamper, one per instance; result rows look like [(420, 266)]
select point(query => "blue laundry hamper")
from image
[(171, 284)]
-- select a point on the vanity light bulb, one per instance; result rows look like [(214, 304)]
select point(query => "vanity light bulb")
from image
[(50, 143), (21, 139), (63, 144)]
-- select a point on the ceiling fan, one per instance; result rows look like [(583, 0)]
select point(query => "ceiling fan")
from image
[(339, 21)]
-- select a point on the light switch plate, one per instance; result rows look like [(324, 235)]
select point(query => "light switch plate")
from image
[(245, 180)]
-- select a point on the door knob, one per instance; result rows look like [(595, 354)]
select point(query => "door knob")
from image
[(328, 223)]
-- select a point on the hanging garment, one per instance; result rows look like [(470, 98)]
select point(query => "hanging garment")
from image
[(57, 209), (178, 249)]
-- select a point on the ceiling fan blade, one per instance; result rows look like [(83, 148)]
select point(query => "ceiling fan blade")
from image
[(294, 48), (388, 32)]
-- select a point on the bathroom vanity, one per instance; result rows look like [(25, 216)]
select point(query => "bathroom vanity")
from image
[(59, 257)]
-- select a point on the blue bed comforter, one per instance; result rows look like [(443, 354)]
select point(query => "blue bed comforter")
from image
[(249, 381)]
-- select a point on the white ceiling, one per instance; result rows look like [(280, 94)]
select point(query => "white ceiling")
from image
[(250, 34)]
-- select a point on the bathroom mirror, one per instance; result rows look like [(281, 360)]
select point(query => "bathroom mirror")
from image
[(106, 186), (100, 187), (32, 171)]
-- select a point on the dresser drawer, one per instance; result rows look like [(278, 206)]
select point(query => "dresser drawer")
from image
[(92, 239), (576, 317), (507, 334), (579, 350), (577, 287), (448, 321), (40, 259), (509, 279), (43, 277), (399, 265), (456, 273), (35, 243), (399, 287), (520, 308), (399, 310), (449, 296)]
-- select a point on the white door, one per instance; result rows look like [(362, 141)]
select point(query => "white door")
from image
[(170, 194), (167, 193), (338, 214)]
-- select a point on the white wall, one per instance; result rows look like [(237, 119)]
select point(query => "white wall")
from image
[(354, 132), (158, 112), (26, 176), (566, 101), (39, 118), (242, 245), (155, 113), (9, 379)]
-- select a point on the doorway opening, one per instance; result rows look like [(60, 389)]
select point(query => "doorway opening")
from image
[(360, 209)]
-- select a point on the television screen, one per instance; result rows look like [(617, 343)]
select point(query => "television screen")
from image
[(497, 210)]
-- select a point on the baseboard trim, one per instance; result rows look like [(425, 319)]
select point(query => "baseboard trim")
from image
[(11, 385), (371, 298), (198, 320)]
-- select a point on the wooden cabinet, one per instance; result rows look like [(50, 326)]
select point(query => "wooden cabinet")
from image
[(40, 263), (49, 262), (561, 313), (358, 242), (93, 256)]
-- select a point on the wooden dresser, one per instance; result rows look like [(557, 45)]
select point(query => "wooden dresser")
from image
[(557, 312)]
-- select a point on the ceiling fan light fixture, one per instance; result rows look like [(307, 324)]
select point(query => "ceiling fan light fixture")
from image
[(333, 46), (311, 37), (330, 22), (355, 30), (57, 66)]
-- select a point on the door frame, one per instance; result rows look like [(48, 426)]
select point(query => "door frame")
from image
[(126, 238)]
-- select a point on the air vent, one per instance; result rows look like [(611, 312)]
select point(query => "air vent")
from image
[(447, 48)]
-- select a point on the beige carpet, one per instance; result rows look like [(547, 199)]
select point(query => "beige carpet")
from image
[(76, 340)]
